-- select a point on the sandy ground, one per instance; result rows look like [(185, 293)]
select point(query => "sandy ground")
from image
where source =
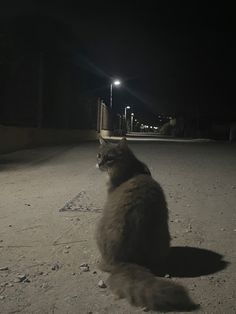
[(42, 248)]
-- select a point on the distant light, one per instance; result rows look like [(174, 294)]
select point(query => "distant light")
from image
[(135, 120), (132, 114), (127, 107), (116, 82)]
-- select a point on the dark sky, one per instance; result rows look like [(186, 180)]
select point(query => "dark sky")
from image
[(171, 58)]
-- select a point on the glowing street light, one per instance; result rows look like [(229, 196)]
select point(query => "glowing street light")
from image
[(126, 108), (132, 122), (115, 83)]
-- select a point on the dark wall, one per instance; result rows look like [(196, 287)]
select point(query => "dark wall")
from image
[(41, 83)]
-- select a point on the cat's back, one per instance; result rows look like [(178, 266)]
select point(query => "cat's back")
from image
[(140, 191)]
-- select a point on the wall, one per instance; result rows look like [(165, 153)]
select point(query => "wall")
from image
[(14, 138)]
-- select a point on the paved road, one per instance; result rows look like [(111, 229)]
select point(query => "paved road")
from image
[(47, 245)]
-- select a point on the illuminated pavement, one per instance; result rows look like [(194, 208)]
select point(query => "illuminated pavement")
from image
[(48, 245)]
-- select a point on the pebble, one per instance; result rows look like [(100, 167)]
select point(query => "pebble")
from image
[(222, 229), (4, 268), (56, 266), (101, 284), (23, 278), (167, 276), (2, 297), (84, 267)]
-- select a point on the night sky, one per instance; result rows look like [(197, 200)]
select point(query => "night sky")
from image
[(171, 59)]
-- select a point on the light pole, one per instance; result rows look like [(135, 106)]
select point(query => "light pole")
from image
[(126, 107), (116, 83), (132, 122)]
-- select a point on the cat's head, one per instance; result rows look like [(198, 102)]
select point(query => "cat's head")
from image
[(110, 155)]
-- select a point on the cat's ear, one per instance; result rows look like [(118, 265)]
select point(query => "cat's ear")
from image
[(123, 143), (102, 141)]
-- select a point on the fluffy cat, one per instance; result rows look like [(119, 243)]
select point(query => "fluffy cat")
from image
[(133, 235)]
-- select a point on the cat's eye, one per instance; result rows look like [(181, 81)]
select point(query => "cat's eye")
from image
[(99, 155)]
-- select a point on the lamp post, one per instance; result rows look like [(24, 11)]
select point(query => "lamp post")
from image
[(126, 107), (132, 122), (116, 83)]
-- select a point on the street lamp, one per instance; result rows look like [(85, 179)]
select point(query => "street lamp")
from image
[(126, 107), (116, 83), (132, 121)]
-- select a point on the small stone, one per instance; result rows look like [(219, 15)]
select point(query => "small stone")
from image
[(2, 297), (101, 284), (167, 276), (234, 230), (1, 240), (73, 274), (56, 266), (66, 252), (67, 247), (4, 268), (94, 272), (222, 229), (23, 278), (9, 225), (84, 267), (233, 187), (176, 220), (27, 205)]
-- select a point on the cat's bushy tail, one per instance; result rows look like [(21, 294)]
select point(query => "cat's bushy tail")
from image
[(141, 288)]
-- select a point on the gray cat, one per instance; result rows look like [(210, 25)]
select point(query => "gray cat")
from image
[(133, 235)]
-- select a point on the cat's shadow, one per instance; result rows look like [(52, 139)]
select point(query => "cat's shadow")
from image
[(191, 262)]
